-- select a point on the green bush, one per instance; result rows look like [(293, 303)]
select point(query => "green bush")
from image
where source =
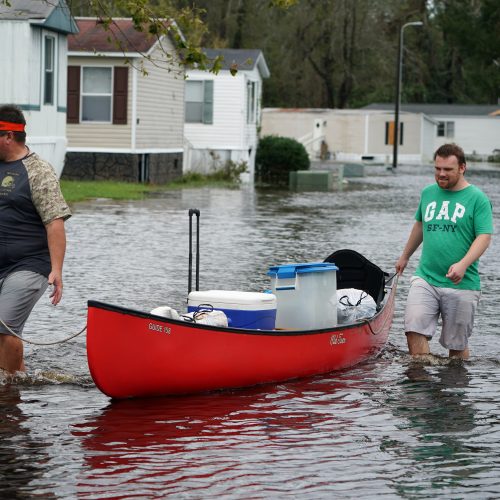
[(276, 157), (229, 172)]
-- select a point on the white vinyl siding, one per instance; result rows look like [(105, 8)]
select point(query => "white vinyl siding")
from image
[(477, 135), (160, 108), (20, 63), (100, 135), (229, 121), (346, 132), (157, 114), (62, 73), (408, 137), (236, 116)]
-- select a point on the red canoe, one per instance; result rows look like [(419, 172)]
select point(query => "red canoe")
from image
[(137, 354)]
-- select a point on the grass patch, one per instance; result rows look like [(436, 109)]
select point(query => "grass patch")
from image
[(75, 191), (195, 180), (226, 177), (86, 190)]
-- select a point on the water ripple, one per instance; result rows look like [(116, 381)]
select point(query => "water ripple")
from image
[(391, 428)]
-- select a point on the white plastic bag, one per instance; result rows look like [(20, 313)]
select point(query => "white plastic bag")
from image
[(205, 317), (354, 304), (166, 312)]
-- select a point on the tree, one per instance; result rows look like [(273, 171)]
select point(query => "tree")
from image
[(468, 65), (181, 21), (333, 53)]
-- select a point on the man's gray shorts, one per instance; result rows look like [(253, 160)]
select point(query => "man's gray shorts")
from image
[(19, 292), (457, 308)]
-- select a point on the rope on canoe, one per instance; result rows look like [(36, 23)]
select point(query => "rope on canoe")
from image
[(388, 318), (41, 343)]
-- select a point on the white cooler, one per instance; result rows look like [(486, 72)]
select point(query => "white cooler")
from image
[(251, 310)]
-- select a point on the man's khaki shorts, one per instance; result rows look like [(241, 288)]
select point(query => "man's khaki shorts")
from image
[(457, 308), (19, 292)]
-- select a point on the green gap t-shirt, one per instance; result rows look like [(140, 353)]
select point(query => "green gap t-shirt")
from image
[(451, 221)]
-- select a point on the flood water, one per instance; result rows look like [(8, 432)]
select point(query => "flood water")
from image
[(390, 428)]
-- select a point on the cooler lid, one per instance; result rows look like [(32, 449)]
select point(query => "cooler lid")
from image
[(286, 271), (233, 299)]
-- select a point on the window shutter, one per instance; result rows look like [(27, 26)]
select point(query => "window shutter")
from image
[(208, 102), (73, 98), (389, 133), (120, 95)]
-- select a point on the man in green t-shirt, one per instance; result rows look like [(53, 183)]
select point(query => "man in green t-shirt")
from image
[(455, 223)]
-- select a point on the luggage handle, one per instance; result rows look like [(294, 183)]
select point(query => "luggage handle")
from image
[(194, 211)]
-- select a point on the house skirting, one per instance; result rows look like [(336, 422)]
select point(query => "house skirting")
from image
[(155, 168), (206, 161), (50, 148)]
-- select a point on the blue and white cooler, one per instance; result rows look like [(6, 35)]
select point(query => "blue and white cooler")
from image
[(306, 295), (251, 310)]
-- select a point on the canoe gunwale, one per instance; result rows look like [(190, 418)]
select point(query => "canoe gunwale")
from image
[(243, 331)]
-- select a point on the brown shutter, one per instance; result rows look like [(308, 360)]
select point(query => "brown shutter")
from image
[(392, 130), (73, 101), (120, 94)]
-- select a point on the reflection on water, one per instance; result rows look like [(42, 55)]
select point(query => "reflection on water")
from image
[(390, 428), (436, 408), (436, 399), (22, 458), (230, 443)]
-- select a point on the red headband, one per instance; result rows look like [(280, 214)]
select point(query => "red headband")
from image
[(12, 127)]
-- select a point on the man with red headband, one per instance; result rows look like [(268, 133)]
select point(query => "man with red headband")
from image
[(32, 235)]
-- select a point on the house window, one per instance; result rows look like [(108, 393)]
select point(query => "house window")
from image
[(389, 133), (89, 90), (446, 129), (251, 102), (48, 88), (199, 101), (96, 94)]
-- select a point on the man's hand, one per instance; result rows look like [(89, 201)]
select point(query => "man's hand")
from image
[(55, 280), (456, 272), (401, 264), (56, 238)]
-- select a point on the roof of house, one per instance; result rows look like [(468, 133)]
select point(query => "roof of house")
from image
[(121, 36), (335, 111), (240, 59), (54, 15), (443, 109)]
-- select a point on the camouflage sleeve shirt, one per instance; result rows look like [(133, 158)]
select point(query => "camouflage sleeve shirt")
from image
[(30, 198)]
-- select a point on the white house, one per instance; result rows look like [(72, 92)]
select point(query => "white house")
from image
[(125, 104), (223, 111), (33, 61), (475, 127), (353, 135)]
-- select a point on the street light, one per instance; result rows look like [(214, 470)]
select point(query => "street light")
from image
[(398, 91)]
